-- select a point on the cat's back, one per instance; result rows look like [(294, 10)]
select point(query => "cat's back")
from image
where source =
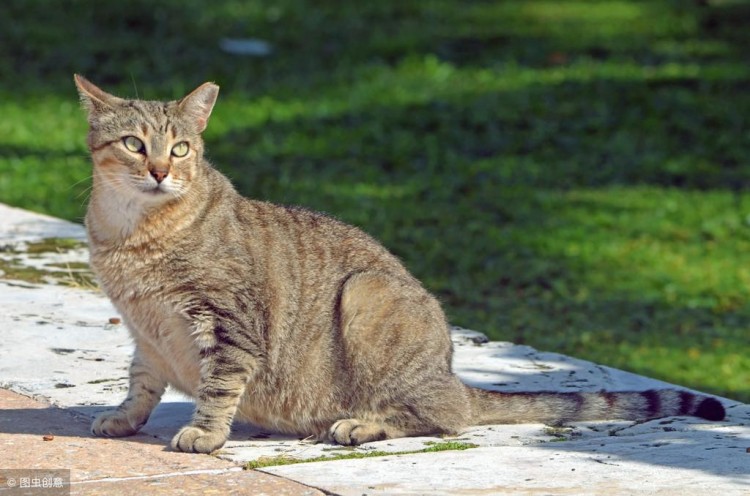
[(309, 242)]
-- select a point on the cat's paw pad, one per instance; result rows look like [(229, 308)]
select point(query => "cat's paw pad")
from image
[(115, 423), (351, 432), (193, 439)]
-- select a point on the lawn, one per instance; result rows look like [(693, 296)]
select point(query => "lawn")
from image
[(566, 174)]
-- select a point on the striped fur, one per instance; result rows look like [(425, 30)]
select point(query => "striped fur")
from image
[(278, 316), (558, 408)]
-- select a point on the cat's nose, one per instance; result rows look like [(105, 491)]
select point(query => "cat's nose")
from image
[(159, 175)]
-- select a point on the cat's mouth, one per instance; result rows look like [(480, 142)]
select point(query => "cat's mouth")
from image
[(163, 191), (155, 191)]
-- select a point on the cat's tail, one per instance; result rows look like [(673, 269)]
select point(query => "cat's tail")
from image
[(491, 407)]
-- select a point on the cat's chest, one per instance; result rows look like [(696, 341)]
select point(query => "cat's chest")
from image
[(158, 325), (154, 313), (134, 276)]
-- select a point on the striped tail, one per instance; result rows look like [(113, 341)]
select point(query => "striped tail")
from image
[(491, 407)]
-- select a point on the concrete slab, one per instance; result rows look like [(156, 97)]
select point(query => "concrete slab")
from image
[(571, 469), (62, 342)]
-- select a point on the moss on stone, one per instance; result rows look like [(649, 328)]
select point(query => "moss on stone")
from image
[(271, 461), (54, 245)]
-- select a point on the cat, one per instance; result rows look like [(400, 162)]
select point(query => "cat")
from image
[(279, 316)]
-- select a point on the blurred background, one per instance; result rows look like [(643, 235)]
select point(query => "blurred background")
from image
[(565, 174)]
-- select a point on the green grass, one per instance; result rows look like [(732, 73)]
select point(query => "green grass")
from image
[(349, 455), (567, 174)]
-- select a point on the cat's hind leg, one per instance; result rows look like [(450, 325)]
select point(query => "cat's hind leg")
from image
[(352, 432), (144, 393), (397, 354), (439, 408)]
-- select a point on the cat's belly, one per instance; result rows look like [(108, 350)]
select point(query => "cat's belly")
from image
[(271, 412), (250, 412)]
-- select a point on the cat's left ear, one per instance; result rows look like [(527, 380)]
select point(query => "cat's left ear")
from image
[(199, 104), (94, 99)]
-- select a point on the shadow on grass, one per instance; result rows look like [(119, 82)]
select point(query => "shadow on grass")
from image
[(467, 184), (175, 44)]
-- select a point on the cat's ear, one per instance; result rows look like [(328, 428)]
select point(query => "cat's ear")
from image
[(197, 106), (93, 98)]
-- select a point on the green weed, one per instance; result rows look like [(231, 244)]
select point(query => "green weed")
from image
[(286, 459)]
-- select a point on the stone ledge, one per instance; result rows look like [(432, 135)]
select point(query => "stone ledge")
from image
[(60, 344)]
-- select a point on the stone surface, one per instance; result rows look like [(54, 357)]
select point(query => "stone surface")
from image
[(35, 435), (562, 468), (60, 344)]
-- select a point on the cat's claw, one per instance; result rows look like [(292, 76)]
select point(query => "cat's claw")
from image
[(115, 423), (191, 439)]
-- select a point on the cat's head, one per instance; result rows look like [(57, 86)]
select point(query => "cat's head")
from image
[(147, 150)]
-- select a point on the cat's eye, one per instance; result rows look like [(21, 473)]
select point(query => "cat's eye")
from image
[(180, 149), (133, 144)]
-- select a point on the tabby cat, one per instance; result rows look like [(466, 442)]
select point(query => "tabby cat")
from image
[(276, 315)]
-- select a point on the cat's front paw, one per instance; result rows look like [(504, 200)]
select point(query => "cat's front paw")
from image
[(115, 423), (193, 439)]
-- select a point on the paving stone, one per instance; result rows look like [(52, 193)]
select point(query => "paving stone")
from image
[(35, 435)]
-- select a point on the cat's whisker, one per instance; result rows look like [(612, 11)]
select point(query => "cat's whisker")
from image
[(84, 191), (85, 201), (86, 197), (87, 178)]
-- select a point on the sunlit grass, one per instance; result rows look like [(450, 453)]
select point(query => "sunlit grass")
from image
[(642, 278)]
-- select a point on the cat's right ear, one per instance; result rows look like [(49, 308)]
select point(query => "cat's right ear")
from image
[(199, 104), (94, 99)]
